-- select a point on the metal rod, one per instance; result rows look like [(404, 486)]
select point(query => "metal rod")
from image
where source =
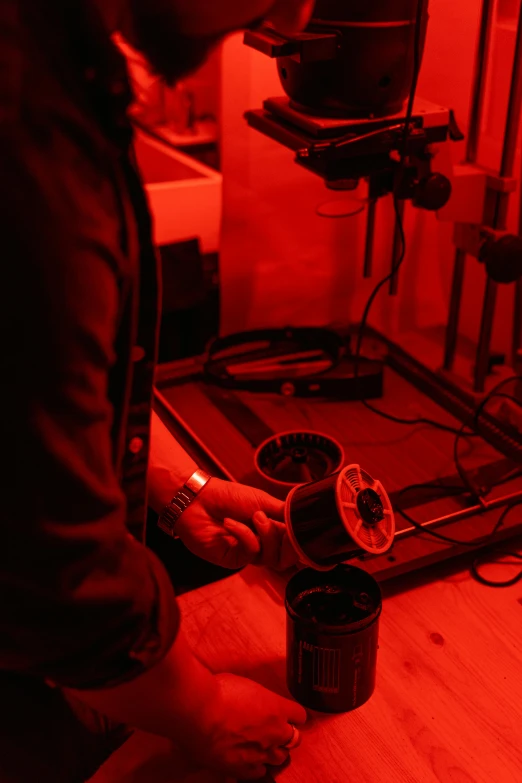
[(475, 123), (517, 327), (456, 516), (479, 80), (486, 330), (517, 309), (511, 132), (501, 209), (514, 107), (370, 234), (452, 328), (397, 249)]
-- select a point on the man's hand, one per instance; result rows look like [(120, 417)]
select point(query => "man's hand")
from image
[(227, 723), (244, 728), (218, 527)]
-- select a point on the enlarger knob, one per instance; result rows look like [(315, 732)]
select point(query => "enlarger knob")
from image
[(503, 258), (432, 192)]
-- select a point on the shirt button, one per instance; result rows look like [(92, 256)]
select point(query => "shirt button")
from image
[(137, 353), (135, 445), (118, 88)]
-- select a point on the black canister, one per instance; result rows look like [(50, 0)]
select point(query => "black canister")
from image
[(332, 637)]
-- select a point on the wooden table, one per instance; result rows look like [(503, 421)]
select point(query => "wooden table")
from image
[(448, 702)]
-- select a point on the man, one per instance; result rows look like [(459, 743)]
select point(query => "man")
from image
[(90, 635)]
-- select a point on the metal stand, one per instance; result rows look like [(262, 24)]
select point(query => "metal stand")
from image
[(459, 269), (485, 241), (500, 209), (517, 310), (370, 234), (517, 329), (475, 121), (397, 250)]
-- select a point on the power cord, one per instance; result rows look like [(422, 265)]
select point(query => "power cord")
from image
[(398, 263), (491, 556), (490, 559), (479, 492), (485, 558), (468, 486)]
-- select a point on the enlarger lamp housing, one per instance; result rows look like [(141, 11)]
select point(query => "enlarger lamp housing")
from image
[(355, 58)]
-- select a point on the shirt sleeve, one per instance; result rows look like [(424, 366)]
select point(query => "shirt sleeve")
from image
[(82, 603)]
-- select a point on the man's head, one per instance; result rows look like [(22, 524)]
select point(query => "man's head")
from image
[(176, 35)]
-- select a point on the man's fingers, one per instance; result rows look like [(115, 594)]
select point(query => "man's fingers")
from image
[(289, 556), (296, 713), (277, 551), (272, 507), (246, 537), (271, 537), (277, 756), (252, 772), (242, 501)]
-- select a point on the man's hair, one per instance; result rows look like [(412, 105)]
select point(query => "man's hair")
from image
[(156, 33)]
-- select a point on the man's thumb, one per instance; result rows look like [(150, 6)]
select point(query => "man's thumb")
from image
[(272, 507)]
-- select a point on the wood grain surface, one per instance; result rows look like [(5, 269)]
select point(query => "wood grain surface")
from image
[(447, 706)]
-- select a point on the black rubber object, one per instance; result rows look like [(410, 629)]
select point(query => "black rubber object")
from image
[(503, 258)]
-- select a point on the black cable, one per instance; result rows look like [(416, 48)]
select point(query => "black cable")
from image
[(449, 539), (412, 422), (495, 393), (478, 492), (459, 489), (482, 559), (490, 559), (400, 175), (468, 485), (400, 226), (463, 475), (510, 397), (487, 558), (453, 489)]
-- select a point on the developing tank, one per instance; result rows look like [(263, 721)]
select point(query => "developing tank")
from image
[(332, 637)]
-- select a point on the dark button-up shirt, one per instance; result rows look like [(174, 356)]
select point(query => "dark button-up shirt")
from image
[(83, 603)]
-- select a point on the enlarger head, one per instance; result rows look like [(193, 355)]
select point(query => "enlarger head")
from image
[(355, 59), (347, 79)]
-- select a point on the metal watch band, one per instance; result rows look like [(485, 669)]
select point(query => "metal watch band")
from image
[(181, 501)]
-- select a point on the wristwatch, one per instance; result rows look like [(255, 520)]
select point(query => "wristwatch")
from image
[(181, 501)]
